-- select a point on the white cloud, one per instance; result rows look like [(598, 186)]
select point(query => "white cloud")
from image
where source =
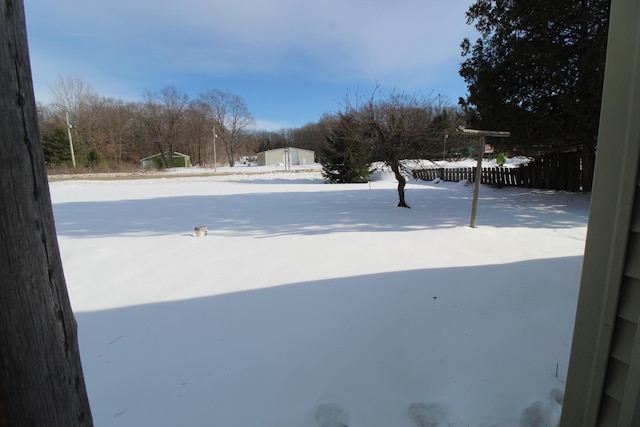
[(352, 37), (125, 47)]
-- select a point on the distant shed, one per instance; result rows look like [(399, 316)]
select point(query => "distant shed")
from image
[(156, 161), (297, 156)]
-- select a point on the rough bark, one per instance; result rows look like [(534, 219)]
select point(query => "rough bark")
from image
[(41, 380), (402, 182)]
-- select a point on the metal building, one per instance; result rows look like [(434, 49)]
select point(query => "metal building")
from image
[(157, 162), (286, 156)]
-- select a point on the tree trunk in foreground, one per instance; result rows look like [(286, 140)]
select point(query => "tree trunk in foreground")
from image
[(41, 380)]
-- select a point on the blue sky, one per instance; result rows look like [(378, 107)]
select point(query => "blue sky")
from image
[(290, 60)]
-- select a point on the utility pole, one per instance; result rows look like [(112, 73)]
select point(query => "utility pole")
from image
[(73, 156), (481, 140), (444, 146), (287, 158), (215, 157)]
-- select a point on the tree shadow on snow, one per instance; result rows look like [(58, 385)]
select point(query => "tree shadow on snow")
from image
[(357, 210)]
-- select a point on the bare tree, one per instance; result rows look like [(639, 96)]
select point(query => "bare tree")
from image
[(268, 140), (163, 116), (46, 118), (400, 127), (72, 96), (41, 379), (311, 136), (231, 118), (69, 93), (199, 131), (116, 127)]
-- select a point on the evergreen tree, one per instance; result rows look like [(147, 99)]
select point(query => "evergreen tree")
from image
[(56, 147), (537, 70), (94, 158), (346, 159)]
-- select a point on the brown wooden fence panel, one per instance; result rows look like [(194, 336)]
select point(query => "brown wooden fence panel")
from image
[(570, 171)]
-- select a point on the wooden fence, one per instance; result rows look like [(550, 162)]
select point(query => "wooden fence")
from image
[(555, 171)]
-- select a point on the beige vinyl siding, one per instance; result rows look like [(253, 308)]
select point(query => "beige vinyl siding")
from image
[(629, 316), (603, 382), (621, 381)]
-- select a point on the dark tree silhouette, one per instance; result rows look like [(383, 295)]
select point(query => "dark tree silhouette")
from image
[(346, 158), (537, 69)]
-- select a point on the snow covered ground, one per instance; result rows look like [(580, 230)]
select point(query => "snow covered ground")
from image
[(311, 304)]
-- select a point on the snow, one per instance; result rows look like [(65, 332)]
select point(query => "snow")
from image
[(511, 162), (313, 304)]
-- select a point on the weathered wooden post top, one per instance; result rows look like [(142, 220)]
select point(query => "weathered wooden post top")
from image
[(481, 134)]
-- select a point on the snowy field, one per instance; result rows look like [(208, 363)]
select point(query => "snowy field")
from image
[(311, 304)]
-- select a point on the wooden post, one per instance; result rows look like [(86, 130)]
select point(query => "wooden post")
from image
[(481, 134), (476, 188), (41, 379)]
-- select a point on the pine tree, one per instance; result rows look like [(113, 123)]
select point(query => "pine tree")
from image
[(56, 147), (537, 70), (346, 159)]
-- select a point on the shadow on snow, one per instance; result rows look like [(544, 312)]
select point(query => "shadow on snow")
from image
[(351, 210), (375, 345)]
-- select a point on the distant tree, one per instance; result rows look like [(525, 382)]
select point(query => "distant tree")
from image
[(73, 97), (163, 116), (94, 158), (346, 158), (115, 129), (325, 125), (106, 124), (399, 128), (231, 118), (56, 147), (537, 70), (443, 139), (311, 136), (47, 120), (200, 132), (41, 379), (268, 140)]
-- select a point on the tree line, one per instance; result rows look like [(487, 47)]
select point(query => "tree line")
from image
[(117, 134)]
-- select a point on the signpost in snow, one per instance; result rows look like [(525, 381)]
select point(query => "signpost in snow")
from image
[(481, 134)]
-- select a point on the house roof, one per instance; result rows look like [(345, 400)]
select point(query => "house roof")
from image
[(175, 154), (290, 148)]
